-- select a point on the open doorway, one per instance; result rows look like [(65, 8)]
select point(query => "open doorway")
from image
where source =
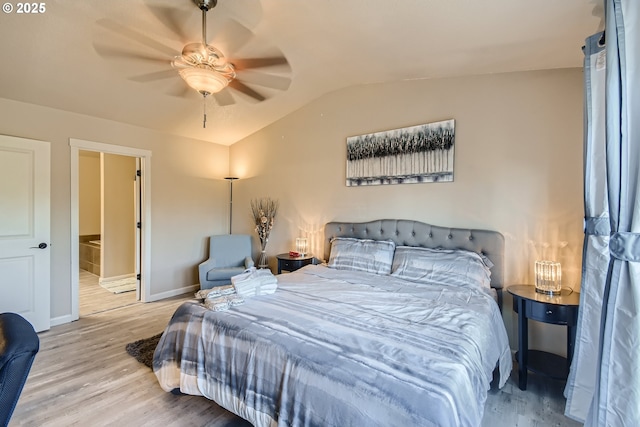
[(110, 218), (108, 214)]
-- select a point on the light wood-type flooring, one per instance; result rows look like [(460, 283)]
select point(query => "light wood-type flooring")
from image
[(94, 298), (83, 376)]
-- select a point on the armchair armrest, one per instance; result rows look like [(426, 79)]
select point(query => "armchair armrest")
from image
[(248, 262), (204, 268)]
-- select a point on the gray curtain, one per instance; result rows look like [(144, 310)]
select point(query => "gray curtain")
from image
[(616, 397), (595, 253)]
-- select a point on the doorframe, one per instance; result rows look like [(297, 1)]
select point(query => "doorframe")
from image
[(145, 247)]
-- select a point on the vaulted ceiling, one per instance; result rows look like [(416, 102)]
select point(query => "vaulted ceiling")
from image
[(104, 58)]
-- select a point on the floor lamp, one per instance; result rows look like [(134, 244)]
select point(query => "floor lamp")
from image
[(230, 179)]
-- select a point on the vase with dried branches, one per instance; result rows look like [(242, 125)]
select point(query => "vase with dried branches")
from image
[(264, 212)]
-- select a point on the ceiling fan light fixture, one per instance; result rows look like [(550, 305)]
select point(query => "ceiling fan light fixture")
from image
[(195, 53), (204, 68), (204, 80), (198, 53)]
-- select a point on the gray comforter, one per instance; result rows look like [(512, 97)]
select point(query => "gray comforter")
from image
[(338, 348)]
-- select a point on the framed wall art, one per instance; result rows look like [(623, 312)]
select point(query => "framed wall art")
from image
[(415, 154)]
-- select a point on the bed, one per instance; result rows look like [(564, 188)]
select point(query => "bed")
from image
[(401, 327)]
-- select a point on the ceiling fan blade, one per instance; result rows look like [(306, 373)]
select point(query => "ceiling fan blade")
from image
[(158, 75), (244, 63), (173, 19), (136, 36), (114, 52), (266, 80), (243, 88), (231, 37), (224, 98)]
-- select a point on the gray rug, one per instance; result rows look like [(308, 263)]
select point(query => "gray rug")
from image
[(142, 350)]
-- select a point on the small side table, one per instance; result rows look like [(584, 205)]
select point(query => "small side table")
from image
[(290, 263), (557, 309)]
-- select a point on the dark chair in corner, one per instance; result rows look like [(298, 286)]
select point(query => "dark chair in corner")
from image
[(19, 344), (229, 254)]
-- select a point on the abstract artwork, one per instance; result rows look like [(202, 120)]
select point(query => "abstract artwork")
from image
[(422, 153)]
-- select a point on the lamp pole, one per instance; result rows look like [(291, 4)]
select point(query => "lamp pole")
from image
[(230, 179)]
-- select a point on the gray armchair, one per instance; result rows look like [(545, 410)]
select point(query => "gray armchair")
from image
[(229, 254)]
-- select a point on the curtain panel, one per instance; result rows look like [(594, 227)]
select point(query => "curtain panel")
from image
[(616, 396), (595, 252)]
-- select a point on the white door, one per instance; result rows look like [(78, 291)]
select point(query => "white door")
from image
[(25, 229)]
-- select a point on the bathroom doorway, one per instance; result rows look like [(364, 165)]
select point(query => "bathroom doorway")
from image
[(109, 248), (107, 198)]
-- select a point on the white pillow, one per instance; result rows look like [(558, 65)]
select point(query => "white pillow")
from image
[(454, 267), (372, 256)]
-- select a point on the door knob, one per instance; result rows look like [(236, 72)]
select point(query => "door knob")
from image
[(40, 246)]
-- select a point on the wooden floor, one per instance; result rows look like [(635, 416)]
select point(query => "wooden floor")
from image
[(94, 298), (82, 376), (541, 405)]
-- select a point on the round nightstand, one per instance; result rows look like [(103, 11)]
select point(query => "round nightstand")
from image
[(289, 263), (557, 309)]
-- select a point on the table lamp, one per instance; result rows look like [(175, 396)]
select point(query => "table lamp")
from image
[(548, 277), (301, 245)]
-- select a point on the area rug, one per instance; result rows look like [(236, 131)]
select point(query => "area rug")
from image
[(120, 286), (142, 350)]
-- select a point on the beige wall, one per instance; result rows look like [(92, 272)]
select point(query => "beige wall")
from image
[(89, 193), (118, 217), (189, 198), (518, 168)]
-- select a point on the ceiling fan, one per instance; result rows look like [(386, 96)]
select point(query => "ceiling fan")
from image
[(203, 67)]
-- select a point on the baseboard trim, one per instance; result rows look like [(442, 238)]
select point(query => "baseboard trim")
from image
[(61, 320), (174, 293)]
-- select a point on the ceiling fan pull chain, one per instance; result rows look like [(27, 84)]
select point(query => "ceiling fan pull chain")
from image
[(204, 111)]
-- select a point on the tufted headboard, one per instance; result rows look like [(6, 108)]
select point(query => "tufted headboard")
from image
[(414, 233)]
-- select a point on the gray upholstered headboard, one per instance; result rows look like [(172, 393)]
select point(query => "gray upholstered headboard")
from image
[(414, 233)]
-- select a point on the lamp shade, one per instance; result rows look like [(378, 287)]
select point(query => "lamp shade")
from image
[(302, 245), (548, 277), (205, 81)]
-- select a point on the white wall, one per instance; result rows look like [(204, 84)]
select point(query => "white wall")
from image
[(518, 169), (189, 198)]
